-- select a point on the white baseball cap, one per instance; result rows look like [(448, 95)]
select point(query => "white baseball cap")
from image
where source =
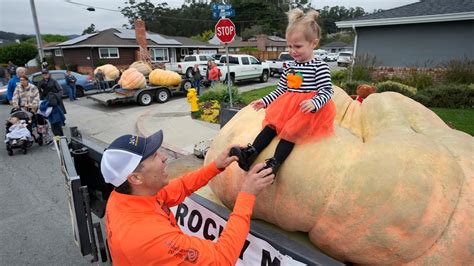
[(125, 153)]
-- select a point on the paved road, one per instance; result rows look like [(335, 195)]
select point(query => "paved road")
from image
[(34, 218)]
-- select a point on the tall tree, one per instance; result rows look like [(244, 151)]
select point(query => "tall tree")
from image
[(89, 30)]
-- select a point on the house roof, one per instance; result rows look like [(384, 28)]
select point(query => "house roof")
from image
[(424, 11), (126, 38), (336, 44)]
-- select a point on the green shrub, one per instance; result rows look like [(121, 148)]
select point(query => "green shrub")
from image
[(360, 72), (338, 76), (220, 93), (460, 71), (351, 86), (448, 96), (419, 80), (396, 87), (19, 54), (100, 62)]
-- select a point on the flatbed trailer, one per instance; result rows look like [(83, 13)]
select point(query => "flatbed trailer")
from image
[(88, 194), (143, 96)]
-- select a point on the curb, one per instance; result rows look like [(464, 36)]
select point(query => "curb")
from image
[(144, 133)]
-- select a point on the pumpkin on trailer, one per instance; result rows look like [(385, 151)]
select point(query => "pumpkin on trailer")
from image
[(162, 77), (110, 71), (132, 79), (142, 67), (393, 185)]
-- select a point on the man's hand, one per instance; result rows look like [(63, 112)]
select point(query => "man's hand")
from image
[(307, 106), (255, 182), (224, 160), (257, 104)]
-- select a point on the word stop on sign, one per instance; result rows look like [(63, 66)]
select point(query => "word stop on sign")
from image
[(225, 30)]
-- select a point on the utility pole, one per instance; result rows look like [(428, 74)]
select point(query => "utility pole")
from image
[(39, 42)]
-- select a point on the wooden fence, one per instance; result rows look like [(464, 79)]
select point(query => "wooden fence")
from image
[(262, 55)]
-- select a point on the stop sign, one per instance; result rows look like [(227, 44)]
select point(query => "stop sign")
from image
[(225, 30)]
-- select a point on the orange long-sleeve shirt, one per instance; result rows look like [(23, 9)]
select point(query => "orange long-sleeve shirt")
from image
[(142, 230)]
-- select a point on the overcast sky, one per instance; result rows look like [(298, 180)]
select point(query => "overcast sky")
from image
[(61, 17)]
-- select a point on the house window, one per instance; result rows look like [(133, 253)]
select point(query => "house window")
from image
[(184, 51), (58, 52), (108, 53), (159, 54)]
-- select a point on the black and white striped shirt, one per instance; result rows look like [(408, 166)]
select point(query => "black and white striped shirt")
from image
[(316, 77)]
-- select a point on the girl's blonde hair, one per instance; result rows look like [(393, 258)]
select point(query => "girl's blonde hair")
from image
[(298, 20)]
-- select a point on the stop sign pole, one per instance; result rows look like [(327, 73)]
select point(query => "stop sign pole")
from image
[(225, 32)]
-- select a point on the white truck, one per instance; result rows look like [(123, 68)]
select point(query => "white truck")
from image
[(277, 65), (186, 66), (243, 67)]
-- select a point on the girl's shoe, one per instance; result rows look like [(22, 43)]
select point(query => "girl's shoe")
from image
[(271, 163), (246, 156)]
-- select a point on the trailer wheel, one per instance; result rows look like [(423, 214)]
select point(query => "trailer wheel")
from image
[(145, 98), (163, 95), (187, 84)]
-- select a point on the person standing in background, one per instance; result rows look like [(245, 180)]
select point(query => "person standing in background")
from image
[(71, 83)]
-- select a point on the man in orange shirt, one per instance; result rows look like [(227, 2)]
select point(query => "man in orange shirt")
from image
[(141, 230)]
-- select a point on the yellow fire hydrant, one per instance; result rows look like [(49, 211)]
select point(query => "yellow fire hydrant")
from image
[(193, 100)]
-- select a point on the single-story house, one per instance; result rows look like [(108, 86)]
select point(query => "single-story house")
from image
[(422, 34), (120, 48), (337, 46)]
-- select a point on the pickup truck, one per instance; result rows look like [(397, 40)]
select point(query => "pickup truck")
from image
[(186, 66), (277, 65), (243, 67)]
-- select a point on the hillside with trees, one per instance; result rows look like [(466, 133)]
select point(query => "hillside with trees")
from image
[(252, 17)]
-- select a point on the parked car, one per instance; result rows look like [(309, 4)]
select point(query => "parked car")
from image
[(186, 66), (277, 65), (331, 57), (84, 82), (320, 54), (344, 59), (243, 67), (216, 57)]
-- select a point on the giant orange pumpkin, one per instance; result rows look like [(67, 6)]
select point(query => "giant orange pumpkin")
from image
[(164, 78), (142, 67), (132, 79), (394, 185), (110, 71)]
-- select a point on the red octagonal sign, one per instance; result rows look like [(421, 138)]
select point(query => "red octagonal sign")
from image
[(225, 30)]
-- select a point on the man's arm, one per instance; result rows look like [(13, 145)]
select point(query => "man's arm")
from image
[(178, 189), (59, 89), (171, 247)]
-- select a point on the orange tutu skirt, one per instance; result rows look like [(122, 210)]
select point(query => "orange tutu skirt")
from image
[(285, 116)]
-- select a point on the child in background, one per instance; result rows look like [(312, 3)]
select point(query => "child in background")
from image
[(300, 110)]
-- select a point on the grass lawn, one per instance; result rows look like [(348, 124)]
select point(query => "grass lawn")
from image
[(460, 119), (249, 96)]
